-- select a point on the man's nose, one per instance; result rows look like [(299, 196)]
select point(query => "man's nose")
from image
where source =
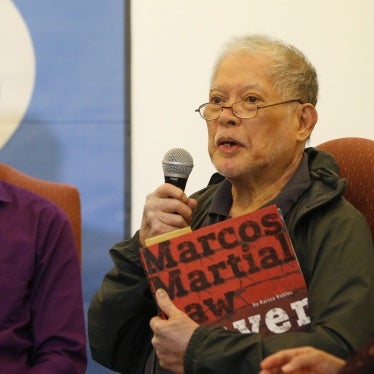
[(227, 117)]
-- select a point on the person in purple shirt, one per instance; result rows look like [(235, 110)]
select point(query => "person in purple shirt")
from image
[(42, 329)]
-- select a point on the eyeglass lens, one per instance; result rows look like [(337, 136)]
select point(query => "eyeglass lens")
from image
[(241, 109)]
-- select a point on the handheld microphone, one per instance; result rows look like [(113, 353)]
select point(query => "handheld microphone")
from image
[(177, 165)]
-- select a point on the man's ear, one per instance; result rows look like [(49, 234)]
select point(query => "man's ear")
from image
[(308, 117)]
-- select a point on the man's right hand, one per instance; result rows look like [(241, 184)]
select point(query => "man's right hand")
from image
[(166, 209)]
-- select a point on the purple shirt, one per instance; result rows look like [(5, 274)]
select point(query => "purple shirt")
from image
[(42, 328)]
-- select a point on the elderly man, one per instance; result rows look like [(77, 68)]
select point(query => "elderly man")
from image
[(260, 115)]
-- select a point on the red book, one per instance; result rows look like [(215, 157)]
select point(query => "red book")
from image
[(241, 273)]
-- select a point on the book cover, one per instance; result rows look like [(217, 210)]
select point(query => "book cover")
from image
[(241, 273)]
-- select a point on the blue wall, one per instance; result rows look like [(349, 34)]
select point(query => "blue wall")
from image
[(74, 128)]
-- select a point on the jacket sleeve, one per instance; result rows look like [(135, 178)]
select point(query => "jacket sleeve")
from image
[(337, 261), (119, 313)]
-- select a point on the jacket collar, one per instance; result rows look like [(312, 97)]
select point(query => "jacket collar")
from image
[(325, 172), (327, 186), (299, 182)]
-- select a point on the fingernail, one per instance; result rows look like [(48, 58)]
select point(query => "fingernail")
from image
[(160, 293)]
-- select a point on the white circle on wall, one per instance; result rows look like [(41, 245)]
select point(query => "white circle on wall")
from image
[(17, 69)]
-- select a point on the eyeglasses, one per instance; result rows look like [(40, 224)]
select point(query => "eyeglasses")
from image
[(241, 109)]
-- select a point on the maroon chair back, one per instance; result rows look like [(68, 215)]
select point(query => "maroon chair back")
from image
[(66, 196), (355, 157)]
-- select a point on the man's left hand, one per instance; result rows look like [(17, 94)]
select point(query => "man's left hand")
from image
[(171, 336)]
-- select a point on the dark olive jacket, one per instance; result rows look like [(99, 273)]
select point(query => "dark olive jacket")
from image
[(335, 250)]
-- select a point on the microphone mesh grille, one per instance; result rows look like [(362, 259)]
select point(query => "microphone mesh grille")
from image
[(177, 162)]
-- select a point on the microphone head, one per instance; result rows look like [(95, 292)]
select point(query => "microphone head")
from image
[(177, 165)]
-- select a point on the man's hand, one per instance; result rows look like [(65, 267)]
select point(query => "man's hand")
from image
[(166, 209), (171, 336)]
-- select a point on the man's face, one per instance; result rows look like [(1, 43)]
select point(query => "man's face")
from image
[(260, 146)]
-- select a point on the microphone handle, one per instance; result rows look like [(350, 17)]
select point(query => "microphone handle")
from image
[(176, 181)]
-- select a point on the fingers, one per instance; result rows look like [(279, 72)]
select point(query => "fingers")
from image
[(173, 198), (301, 360), (276, 360), (279, 362), (166, 209), (171, 335), (165, 304), (169, 190), (304, 361)]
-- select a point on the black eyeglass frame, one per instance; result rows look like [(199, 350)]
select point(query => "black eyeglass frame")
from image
[(233, 108)]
